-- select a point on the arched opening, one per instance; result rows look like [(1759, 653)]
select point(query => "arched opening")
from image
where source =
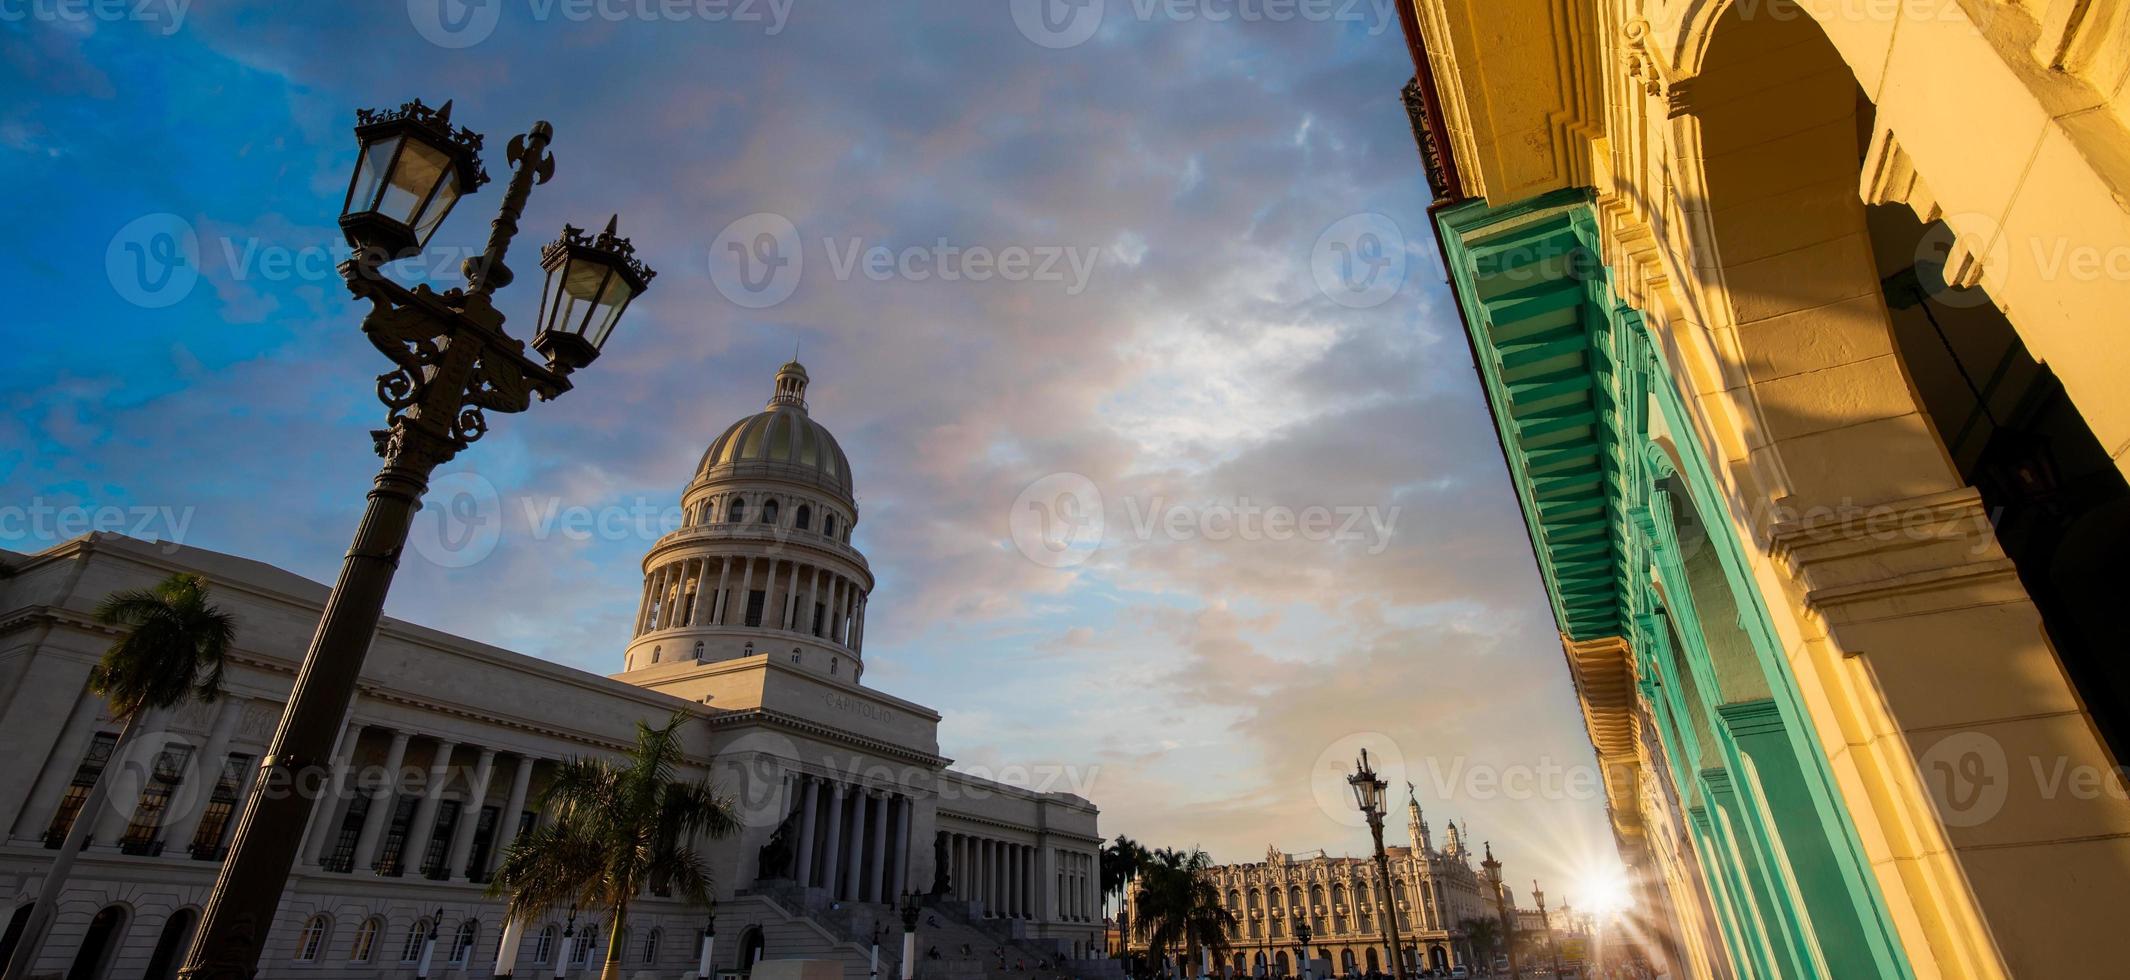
[(15, 924), (828, 525), (769, 512), (752, 949), (1281, 964), (2058, 503), (1438, 959), (310, 943), (462, 942), (1346, 962), (650, 946), (1877, 383), (106, 932), (170, 945), (364, 948), (544, 947), (1375, 963), (738, 512), (804, 518)]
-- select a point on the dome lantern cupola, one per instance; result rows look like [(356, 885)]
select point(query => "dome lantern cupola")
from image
[(791, 387)]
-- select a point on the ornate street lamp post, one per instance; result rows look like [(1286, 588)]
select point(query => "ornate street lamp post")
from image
[(1501, 908), (453, 364), (1545, 924), (1301, 940), (910, 912), (1368, 795), (703, 963)]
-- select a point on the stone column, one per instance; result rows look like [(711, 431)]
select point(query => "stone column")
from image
[(110, 825), (179, 832), (746, 587), (424, 826), (326, 815), (812, 802), (878, 873), (832, 848), (643, 606), (901, 881), (987, 872), (813, 595), (791, 600), (470, 818), (513, 811), (854, 876), (772, 600), (717, 598), (381, 803), (59, 766)]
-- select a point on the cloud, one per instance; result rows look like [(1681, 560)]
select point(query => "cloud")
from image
[(1190, 674)]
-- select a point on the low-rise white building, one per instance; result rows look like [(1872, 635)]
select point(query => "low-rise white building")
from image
[(752, 620)]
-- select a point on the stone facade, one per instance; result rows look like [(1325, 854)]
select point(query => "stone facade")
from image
[(1819, 427), (845, 798), (1436, 893)]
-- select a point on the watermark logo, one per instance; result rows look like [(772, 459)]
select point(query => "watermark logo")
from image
[(460, 522), (454, 24), (756, 261), (169, 13), (154, 261), (1058, 24), (1360, 261), (1057, 521), (1968, 777)]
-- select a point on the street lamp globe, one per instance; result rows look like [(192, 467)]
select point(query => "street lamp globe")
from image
[(590, 281), (414, 165)]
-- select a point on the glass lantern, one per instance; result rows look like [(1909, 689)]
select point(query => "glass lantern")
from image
[(412, 168), (590, 282)]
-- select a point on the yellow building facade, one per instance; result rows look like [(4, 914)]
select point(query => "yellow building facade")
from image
[(1802, 326)]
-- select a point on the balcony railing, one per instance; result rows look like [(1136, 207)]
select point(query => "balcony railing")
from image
[(140, 848)]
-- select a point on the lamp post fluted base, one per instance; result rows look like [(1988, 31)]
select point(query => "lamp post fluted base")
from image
[(240, 910)]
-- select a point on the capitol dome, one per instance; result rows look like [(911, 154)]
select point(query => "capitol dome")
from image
[(782, 433), (762, 561)]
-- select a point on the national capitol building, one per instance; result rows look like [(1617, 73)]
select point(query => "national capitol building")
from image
[(753, 617)]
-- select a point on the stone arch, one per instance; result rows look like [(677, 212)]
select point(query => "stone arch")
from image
[(170, 944), (100, 943)]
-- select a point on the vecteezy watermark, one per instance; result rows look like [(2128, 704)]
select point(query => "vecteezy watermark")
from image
[(1062, 520), (1059, 24), (169, 13), (157, 259), (1360, 261), (465, 23), (41, 521), (757, 261), (1971, 778), (154, 261)]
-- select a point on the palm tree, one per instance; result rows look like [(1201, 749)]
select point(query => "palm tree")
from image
[(1120, 859), (1178, 906), (619, 826), (172, 652), (1483, 935)]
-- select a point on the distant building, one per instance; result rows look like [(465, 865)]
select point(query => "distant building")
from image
[(1435, 892)]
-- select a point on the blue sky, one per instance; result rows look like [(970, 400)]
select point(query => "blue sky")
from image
[(1256, 324)]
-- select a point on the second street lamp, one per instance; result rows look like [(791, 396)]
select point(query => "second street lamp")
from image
[(1368, 796), (453, 365)]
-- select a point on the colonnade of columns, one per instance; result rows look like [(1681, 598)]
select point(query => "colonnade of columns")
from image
[(716, 590), (854, 841), (381, 842), (1002, 876), (1079, 886)]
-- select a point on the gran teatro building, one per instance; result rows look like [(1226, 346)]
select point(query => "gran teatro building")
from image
[(752, 617), (1434, 893)]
